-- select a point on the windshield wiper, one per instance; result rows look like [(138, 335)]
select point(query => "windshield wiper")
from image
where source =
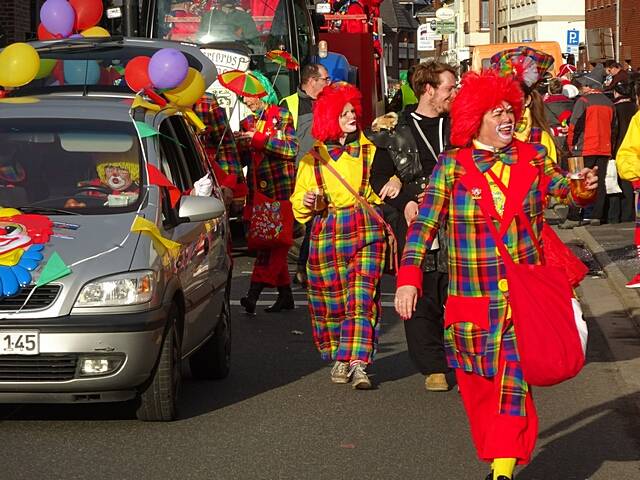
[(45, 210)]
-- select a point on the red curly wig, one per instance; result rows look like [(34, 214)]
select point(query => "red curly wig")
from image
[(478, 95), (328, 107)]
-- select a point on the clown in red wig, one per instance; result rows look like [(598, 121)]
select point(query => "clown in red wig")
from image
[(347, 246), (478, 95), (491, 174), (328, 108)]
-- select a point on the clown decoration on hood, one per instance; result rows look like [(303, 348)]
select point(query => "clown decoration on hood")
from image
[(22, 238)]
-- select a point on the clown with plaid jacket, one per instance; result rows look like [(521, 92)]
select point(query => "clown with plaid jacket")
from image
[(480, 341)]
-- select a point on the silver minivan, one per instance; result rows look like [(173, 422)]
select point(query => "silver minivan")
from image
[(112, 272)]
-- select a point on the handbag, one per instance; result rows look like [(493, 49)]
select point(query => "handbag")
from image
[(270, 222), (391, 254), (611, 178), (540, 296)]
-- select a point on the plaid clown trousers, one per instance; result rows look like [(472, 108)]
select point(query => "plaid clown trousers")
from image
[(346, 257)]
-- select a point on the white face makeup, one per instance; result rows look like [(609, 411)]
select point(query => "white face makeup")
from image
[(347, 120), (497, 126)]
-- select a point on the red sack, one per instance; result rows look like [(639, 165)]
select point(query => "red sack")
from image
[(557, 254), (270, 224), (548, 341)]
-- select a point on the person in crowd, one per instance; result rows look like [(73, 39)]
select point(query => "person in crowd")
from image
[(347, 247), (222, 152), (628, 165), (621, 205), (615, 74), (225, 22), (268, 142), (421, 135), (590, 137), (557, 109), (480, 341), (314, 78), (404, 97)]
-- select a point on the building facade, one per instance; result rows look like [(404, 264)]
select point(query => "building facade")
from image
[(623, 18), (518, 21)]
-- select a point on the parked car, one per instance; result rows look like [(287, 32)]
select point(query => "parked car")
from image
[(80, 190)]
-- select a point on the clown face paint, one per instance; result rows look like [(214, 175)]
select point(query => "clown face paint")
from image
[(13, 235), (496, 129), (347, 120), (118, 178)]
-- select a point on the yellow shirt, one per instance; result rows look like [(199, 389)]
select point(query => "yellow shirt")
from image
[(502, 171), (337, 195), (628, 156)]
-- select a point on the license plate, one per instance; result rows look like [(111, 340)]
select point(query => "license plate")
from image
[(19, 342)]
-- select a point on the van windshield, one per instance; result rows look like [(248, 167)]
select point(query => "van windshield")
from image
[(76, 166), (259, 24)]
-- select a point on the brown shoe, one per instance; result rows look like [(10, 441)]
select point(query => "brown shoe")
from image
[(436, 382)]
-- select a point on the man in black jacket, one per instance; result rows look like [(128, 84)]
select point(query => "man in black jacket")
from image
[(410, 153)]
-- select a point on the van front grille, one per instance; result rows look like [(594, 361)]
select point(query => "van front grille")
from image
[(38, 368), (41, 298)]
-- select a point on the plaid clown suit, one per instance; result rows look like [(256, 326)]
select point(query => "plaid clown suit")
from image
[(270, 158), (479, 337), (346, 252)]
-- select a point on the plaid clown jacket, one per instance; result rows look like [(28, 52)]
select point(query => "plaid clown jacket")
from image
[(476, 324), (271, 153)]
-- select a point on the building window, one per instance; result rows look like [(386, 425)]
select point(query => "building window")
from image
[(484, 14)]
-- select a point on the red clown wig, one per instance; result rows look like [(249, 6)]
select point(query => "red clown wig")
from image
[(328, 107), (478, 95)]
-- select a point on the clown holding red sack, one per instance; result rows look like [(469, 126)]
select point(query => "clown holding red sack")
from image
[(490, 192)]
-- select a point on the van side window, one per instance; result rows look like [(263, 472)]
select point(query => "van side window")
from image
[(192, 155), (171, 158)]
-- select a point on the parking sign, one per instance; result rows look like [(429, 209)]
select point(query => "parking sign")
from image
[(573, 38)]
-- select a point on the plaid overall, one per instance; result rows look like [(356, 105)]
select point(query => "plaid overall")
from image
[(346, 257)]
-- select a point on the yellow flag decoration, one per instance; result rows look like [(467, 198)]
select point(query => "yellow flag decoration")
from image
[(160, 243)]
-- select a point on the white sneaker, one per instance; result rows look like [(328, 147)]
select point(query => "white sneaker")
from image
[(359, 378), (340, 372)]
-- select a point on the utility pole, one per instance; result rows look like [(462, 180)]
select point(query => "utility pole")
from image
[(618, 30)]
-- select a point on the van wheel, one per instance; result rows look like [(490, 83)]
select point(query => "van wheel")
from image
[(212, 361), (159, 401)]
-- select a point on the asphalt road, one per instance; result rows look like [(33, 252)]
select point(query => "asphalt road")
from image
[(278, 416)]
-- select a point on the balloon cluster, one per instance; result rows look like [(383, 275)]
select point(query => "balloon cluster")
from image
[(166, 71), (70, 19)]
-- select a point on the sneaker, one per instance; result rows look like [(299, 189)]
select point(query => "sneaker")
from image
[(634, 282), (569, 224), (340, 372), (436, 382), (359, 378)]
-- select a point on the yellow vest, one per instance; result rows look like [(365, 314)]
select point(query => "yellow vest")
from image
[(292, 102)]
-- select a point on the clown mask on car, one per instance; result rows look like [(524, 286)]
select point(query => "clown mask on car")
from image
[(121, 177)]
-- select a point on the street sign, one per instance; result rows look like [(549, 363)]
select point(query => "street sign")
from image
[(445, 27), (573, 38), (445, 13)]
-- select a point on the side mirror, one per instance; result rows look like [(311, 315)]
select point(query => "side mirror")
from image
[(200, 209)]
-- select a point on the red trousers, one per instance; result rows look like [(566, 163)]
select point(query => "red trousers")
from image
[(271, 267), (497, 435)]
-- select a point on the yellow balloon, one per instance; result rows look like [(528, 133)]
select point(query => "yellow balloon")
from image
[(95, 32), (189, 91), (19, 64), (46, 67)]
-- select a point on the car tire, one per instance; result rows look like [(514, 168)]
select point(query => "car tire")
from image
[(159, 400), (212, 361)]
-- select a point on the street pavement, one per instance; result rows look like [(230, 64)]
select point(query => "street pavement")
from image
[(278, 416)]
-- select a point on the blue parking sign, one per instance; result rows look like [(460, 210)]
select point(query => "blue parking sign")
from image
[(573, 38)]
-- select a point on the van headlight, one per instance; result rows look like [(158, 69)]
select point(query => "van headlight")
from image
[(131, 288)]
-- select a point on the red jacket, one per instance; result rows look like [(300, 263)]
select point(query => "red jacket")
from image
[(590, 125)]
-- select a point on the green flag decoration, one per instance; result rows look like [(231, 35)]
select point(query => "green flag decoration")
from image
[(54, 269)]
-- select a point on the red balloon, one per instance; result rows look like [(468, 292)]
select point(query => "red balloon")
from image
[(44, 34), (136, 75), (88, 13)]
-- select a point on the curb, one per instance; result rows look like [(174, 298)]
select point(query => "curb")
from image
[(628, 297)]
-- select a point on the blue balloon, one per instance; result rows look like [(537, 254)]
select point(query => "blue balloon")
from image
[(81, 72)]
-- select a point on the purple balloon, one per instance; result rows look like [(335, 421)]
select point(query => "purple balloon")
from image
[(76, 35), (58, 17), (168, 68)]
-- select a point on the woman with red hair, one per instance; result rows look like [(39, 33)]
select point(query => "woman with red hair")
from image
[(347, 247), (490, 172)]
